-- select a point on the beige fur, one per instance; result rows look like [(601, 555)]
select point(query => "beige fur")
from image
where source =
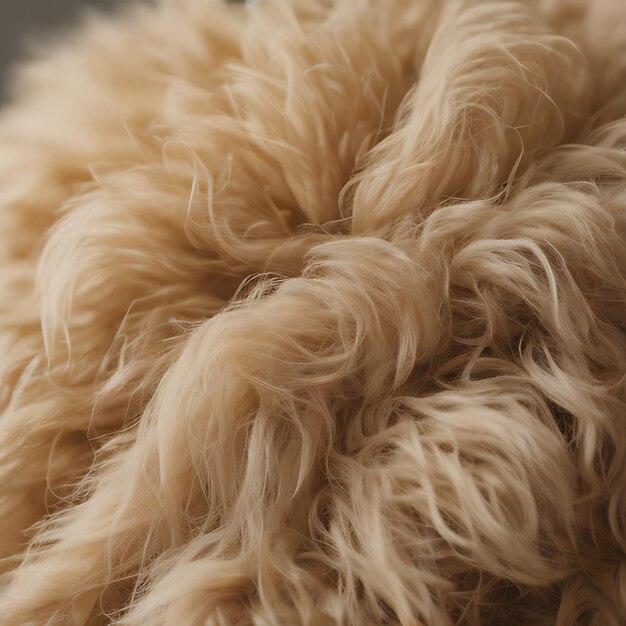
[(312, 312)]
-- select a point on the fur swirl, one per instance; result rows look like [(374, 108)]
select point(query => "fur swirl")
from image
[(313, 312)]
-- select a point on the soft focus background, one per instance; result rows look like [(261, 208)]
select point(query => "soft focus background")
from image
[(22, 21)]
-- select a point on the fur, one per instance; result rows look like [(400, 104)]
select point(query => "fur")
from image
[(312, 312)]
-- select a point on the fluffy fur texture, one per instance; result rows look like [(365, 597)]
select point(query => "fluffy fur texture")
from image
[(312, 312)]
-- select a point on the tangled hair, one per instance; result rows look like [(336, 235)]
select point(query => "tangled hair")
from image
[(312, 312)]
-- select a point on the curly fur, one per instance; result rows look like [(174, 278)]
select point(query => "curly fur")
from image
[(312, 312)]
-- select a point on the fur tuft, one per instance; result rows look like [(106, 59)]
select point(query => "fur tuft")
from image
[(312, 312)]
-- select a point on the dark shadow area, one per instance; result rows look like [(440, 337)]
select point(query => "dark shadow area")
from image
[(24, 20)]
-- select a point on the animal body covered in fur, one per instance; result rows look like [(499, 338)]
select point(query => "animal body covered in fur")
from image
[(312, 312)]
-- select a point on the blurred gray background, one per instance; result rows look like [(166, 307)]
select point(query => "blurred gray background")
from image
[(23, 20)]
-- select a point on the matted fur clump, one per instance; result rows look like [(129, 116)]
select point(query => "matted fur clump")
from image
[(312, 312)]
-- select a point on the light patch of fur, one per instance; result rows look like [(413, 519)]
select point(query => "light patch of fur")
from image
[(312, 312)]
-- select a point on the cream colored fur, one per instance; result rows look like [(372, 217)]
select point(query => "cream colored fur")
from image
[(313, 312)]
